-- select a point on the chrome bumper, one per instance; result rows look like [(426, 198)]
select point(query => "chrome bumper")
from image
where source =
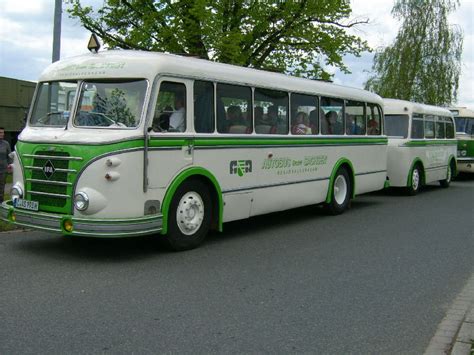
[(89, 227)]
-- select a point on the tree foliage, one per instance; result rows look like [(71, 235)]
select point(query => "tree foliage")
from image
[(298, 37), (424, 62)]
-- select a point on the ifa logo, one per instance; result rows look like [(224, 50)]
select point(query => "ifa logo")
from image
[(48, 169)]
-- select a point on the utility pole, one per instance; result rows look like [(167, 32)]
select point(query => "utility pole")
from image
[(57, 30)]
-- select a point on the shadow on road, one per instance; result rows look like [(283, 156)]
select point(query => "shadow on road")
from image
[(129, 249), (93, 249)]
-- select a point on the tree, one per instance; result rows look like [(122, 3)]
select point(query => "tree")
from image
[(297, 37), (424, 62)]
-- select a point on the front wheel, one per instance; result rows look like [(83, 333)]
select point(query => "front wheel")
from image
[(449, 176), (189, 216), (415, 186), (341, 192)]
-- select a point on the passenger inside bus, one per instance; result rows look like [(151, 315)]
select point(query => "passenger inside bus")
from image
[(301, 124), (237, 124), (177, 122)]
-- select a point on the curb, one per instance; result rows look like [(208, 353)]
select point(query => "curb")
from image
[(455, 333)]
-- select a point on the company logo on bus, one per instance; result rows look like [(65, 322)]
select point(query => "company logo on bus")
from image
[(48, 169), (240, 167)]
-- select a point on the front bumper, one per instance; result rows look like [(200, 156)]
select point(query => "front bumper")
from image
[(89, 227)]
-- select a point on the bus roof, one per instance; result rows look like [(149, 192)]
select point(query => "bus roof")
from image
[(461, 112), (395, 106), (140, 64)]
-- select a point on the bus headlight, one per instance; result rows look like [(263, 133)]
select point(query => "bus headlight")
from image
[(16, 192), (81, 201), (463, 153)]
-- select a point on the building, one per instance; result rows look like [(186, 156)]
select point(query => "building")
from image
[(15, 100)]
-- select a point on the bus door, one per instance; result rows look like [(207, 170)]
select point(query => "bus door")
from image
[(170, 148)]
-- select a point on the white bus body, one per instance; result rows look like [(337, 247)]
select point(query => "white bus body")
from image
[(421, 144), (87, 169)]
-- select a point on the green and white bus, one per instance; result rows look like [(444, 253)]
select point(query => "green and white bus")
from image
[(465, 134), (125, 143), (421, 144)]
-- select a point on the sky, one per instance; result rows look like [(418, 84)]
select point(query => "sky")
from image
[(26, 35)]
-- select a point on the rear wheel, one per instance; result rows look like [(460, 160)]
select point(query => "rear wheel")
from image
[(449, 176), (415, 186), (341, 192), (189, 217)]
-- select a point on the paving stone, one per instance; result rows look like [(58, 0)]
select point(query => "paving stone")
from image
[(461, 349), (466, 334)]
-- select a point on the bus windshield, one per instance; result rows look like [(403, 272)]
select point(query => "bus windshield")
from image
[(396, 125), (465, 125), (110, 104), (53, 103)]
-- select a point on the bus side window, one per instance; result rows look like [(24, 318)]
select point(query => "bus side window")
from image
[(304, 114), (374, 120), (170, 110), (203, 106), (332, 122), (270, 111), (355, 118), (234, 109), (417, 126), (429, 126), (449, 127), (440, 127)]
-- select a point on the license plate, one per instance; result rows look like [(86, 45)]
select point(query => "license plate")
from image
[(26, 204)]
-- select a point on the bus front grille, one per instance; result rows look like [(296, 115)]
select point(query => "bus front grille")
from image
[(49, 181)]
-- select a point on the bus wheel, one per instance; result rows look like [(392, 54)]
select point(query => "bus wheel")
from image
[(189, 216), (415, 181), (341, 192), (449, 176)]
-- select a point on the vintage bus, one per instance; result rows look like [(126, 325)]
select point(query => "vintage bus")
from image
[(465, 134), (126, 143), (421, 144)]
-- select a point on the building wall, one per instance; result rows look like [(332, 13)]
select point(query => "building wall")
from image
[(15, 100)]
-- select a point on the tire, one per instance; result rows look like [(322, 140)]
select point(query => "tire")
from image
[(449, 176), (341, 191), (415, 185), (189, 216)]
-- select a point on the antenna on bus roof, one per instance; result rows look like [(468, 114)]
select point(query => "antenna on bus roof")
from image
[(94, 44)]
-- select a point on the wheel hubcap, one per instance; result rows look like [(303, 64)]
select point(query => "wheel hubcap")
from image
[(340, 189), (415, 179), (448, 177), (190, 213)]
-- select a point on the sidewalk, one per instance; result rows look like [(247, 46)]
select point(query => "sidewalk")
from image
[(455, 334)]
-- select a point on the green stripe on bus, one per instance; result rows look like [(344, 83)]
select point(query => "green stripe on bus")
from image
[(428, 143)]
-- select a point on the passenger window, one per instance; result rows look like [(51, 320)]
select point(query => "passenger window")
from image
[(417, 126), (429, 126), (170, 111), (203, 106), (234, 109), (449, 128), (331, 122), (271, 111), (304, 114), (355, 118), (440, 127), (374, 122)]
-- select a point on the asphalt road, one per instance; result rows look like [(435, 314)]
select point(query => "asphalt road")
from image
[(377, 279)]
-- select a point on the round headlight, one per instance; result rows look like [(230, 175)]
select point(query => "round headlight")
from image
[(463, 153), (81, 201), (16, 192)]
